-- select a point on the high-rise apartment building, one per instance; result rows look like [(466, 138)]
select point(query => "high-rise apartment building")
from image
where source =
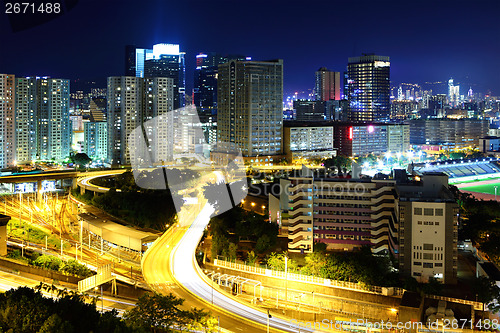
[(163, 60), (95, 142), (7, 120), (250, 112), (26, 120), (34, 119), (54, 130), (132, 101), (369, 88), (327, 85)]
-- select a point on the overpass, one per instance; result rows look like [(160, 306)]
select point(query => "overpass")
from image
[(60, 175)]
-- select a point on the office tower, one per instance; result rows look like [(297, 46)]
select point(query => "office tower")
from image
[(453, 93), (130, 60), (163, 60), (368, 88), (205, 80), (132, 101), (7, 120), (205, 90), (327, 85), (307, 110), (428, 222), (26, 120), (250, 112), (95, 142)]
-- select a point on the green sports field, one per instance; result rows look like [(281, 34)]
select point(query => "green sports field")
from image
[(487, 188)]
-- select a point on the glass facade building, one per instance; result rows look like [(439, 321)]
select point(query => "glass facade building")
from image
[(368, 88)]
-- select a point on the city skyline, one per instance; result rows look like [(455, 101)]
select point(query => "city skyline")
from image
[(447, 39)]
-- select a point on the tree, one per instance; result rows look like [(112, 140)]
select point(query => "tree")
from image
[(232, 251), (263, 244), (160, 313), (54, 324), (80, 159), (314, 262), (277, 261), (49, 262), (252, 259)]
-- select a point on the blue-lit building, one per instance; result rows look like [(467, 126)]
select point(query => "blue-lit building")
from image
[(163, 60), (368, 88), (205, 89)]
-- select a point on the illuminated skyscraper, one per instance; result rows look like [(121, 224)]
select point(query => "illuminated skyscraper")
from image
[(205, 90), (453, 93), (205, 80), (163, 60), (7, 120), (327, 85), (250, 111), (368, 88)]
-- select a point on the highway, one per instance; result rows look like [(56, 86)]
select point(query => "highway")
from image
[(171, 262), (169, 266)]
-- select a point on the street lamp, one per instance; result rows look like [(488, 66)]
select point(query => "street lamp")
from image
[(496, 193)]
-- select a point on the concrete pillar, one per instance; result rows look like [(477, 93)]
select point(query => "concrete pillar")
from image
[(39, 190), (74, 183), (4, 219)]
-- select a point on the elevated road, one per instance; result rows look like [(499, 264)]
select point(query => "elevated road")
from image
[(169, 266), (171, 262)]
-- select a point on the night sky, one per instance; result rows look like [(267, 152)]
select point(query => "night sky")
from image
[(426, 40)]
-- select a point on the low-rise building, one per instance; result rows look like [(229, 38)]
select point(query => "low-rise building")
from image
[(413, 219)]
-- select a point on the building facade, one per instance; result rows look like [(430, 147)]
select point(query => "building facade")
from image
[(359, 139), (369, 88), (95, 143), (428, 229), (413, 219), (307, 110), (307, 140), (7, 120), (327, 85), (163, 60), (54, 129), (345, 214), (132, 101), (26, 120), (205, 90), (448, 133), (250, 111)]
